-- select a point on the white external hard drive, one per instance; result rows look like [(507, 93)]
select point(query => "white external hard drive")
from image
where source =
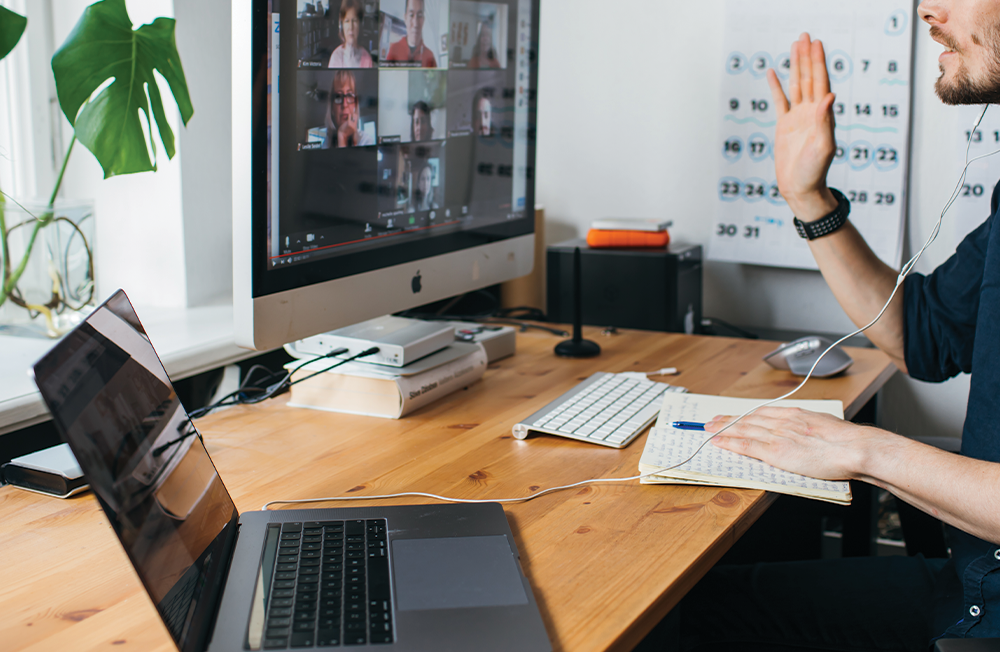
[(651, 224), (400, 340)]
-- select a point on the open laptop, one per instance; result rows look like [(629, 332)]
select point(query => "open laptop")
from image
[(419, 577)]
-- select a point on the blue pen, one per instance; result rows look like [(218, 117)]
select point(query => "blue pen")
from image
[(688, 425)]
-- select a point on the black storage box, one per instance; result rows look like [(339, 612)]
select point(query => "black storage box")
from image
[(645, 289)]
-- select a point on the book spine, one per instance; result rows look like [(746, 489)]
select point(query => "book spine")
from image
[(422, 389)]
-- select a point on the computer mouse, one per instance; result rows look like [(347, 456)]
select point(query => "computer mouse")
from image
[(800, 355)]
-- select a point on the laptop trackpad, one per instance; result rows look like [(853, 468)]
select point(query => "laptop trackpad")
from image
[(456, 572)]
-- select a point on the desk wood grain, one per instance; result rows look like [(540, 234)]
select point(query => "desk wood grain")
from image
[(606, 562)]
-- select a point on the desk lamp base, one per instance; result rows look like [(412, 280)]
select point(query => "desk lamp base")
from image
[(577, 349)]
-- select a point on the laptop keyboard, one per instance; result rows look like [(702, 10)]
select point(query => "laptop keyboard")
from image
[(331, 586)]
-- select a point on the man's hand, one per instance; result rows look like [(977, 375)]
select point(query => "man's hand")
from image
[(809, 443), (804, 143)]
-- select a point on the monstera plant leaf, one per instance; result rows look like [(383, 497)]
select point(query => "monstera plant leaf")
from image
[(104, 48), (11, 27)]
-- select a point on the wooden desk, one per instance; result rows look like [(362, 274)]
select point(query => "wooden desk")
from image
[(607, 562)]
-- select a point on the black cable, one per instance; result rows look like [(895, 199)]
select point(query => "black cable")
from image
[(271, 391), (522, 312), (524, 326), (371, 351), (267, 391), (736, 329), (489, 319)]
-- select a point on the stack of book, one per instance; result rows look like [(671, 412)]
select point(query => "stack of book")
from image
[(384, 391), (629, 233)]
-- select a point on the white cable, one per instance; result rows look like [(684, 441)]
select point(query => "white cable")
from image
[(903, 273)]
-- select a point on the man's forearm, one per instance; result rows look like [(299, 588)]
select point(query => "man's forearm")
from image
[(961, 491), (859, 280)]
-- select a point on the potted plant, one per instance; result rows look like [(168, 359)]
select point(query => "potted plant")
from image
[(104, 77)]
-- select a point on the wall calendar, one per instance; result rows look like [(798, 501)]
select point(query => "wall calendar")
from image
[(869, 49), (972, 205)]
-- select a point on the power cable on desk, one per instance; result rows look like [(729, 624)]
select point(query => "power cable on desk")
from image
[(476, 501)]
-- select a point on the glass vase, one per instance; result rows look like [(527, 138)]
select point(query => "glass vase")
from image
[(55, 291)]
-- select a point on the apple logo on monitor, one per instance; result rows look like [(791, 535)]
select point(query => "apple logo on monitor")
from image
[(415, 283)]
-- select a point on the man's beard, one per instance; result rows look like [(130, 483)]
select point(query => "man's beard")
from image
[(963, 89)]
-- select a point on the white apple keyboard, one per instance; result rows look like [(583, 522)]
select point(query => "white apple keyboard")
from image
[(606, 409)]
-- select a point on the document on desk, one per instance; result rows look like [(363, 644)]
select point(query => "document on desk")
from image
[(667, 446)]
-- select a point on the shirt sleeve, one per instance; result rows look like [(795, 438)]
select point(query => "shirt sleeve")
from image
[(941, 308)]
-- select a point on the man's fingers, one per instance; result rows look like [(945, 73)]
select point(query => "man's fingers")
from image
[(748, 447), (824, 110), (794, 87), (806, 69), (777, 93), (764, 422), (820, 75)]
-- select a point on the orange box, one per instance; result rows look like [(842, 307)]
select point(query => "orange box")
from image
[(600, 239)]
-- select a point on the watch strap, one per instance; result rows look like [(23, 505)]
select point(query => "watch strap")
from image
[(827, 224)]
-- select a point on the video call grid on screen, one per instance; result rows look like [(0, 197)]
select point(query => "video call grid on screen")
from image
[(411, 119)]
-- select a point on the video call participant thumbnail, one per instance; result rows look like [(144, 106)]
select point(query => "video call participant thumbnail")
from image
[(349, 54), (332, 103), (417, 46), (411, 180), (479, 34), (315, 40), (476, 103), (412, 105), (343, 116)]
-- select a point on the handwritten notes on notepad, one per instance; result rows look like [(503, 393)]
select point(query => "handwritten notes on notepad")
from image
[(667, 447)]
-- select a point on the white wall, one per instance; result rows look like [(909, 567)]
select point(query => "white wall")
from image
[(205, 44), (165, 237), (627, 127)]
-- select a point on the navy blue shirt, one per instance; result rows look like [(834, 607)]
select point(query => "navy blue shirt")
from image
[(952, 326)]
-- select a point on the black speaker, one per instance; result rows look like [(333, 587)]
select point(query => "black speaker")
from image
[(645, 289)]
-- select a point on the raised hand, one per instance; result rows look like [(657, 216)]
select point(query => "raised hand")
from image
[(804, 143)]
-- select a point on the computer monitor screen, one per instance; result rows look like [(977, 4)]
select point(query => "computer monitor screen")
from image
[(390, 159)]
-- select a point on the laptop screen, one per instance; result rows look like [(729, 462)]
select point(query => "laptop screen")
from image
[(114, 405)]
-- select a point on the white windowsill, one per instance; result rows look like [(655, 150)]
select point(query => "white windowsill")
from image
[(188, 340)]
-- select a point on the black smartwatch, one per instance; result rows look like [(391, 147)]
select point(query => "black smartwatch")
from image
[(830, 223)]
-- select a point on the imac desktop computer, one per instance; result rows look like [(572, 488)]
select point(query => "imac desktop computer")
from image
[(383, 157)]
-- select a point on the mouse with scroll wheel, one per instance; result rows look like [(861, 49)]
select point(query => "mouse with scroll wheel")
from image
[(800, 355)]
